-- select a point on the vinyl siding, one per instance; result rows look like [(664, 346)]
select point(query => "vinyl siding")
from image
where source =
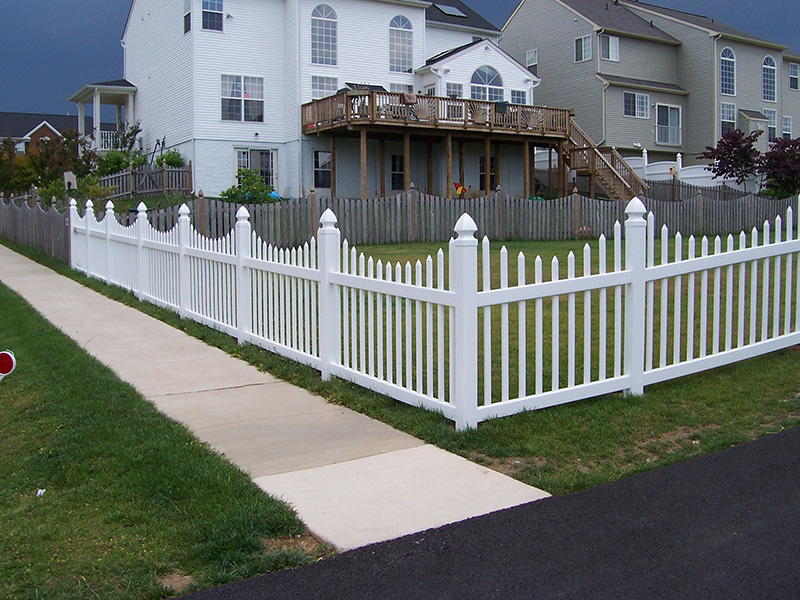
[(623, 132), (163, 102), (641, 59), (790, 99), (565, 83), (252, 44)]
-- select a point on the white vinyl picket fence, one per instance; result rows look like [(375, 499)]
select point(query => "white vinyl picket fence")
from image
[(452, 336)]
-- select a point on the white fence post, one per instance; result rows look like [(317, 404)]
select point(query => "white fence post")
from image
[(107, 226), (89, 211), (330, 256), (183, 265), (464, 283), (243, 314), (635, 252), (73, 219), (142, 270)]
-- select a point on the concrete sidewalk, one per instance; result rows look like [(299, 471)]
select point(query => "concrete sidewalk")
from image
[(352, 480)]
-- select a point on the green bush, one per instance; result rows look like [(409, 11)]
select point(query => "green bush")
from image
[(251, 189), (118, 160), (172, 158)]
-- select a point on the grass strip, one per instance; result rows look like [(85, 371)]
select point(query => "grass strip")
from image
[(565, 448), (134, 505)]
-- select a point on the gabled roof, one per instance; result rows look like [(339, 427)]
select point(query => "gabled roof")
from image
[(448, 53), (615, 17), (710, 24), (18, 125), (443, 56), (471, 19)]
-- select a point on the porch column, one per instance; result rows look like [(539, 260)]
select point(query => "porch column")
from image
[(487, 170), (449, 144), (406, 161), (382, 152), (526, 169), (363, 163), (81, 118), (130, 117), (333, 167), (96, 119), (119, 115)]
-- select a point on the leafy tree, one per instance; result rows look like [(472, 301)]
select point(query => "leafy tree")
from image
[(70, 152), (16, 171), (251, 189), (734, 156), (780, 167), (126, 136)]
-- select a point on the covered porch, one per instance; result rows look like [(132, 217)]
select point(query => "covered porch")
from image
[(443, 127), (119, 93)]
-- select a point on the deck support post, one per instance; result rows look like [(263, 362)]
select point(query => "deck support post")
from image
[(406, 160), (333, 167), (382, 158), (526, 169), (449, 151), (487, 171), (363, 163)]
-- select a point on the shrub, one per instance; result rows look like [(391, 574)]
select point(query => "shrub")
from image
[(172, 158), (251, 189), (118, 160)]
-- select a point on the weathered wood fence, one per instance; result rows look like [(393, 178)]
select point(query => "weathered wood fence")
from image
[(37, 226), (149, 180), (679, 191)]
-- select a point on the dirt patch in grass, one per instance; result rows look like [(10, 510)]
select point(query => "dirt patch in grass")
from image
[(508, 465), (304, 542), (177, 581)]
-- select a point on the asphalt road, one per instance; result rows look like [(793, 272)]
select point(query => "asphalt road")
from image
[(723, 526)]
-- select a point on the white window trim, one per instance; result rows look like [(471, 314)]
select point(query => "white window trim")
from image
[(721, 120), (734, 71), (242, 99), (637, 97), (222, 16), (532, 60), (325, 93), (249, 149), (680, 126), (335, 20), (774, 68), (794, 67), (771, 112), (784, 120), (584, 39), (394, 30), (613, 48)]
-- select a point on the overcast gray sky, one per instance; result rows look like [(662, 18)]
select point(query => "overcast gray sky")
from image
[(49, 49)]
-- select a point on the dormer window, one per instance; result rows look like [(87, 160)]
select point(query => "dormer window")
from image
[(323, 35), (486, 85), (401, 45)]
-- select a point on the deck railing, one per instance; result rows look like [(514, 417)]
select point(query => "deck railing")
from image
[(389, 108)]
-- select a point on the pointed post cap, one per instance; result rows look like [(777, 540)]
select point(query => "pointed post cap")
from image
[(242, 214), (89, 204), (141, 208), (183, 211), (465, 229), (73, 202), (328, 219), (109, 206), (635, 211)]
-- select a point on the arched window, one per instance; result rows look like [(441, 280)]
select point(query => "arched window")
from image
[(727, 72), (486, 85), (401, 45), (768, 71), (323, 35)]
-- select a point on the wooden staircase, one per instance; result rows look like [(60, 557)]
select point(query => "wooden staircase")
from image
[(607, 167)]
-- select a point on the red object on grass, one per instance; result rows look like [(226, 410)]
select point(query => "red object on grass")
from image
[(7, 363)]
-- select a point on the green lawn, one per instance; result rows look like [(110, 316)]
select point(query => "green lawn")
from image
[(133, 501), (574, 446)]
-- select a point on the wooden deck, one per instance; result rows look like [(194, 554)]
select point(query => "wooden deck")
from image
[(364, 108)]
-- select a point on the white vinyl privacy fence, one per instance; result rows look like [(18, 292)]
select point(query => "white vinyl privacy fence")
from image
[(456, 334)]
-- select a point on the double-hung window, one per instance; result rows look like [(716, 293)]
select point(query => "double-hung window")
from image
[(668, 124), (398, 173), (532, 61), (772, 126), (609, 47), (322, 169), (727, 117), (768, 70), (786, 129), (187, 16), (212, 15), (583, 48), (242, 98), (636, 105), (794, 76)]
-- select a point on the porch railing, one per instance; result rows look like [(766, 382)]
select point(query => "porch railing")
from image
[(389, 108)]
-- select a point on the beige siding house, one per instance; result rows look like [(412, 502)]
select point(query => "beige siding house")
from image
[(640, 76)]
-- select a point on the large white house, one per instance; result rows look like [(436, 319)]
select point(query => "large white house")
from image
[(350, 97)]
